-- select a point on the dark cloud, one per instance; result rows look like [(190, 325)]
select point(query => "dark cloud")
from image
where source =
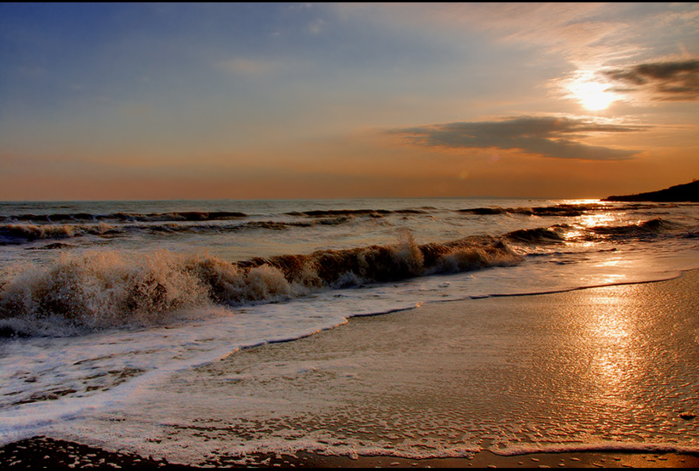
[(667, 81), (548, 136)]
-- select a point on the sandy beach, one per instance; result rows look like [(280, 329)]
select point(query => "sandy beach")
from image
[(598, 377)]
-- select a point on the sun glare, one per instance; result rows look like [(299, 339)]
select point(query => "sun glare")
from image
[(591, 94)]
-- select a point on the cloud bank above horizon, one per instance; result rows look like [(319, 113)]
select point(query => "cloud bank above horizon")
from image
[(544, 135)]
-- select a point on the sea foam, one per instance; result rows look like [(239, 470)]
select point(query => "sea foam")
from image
[(100, 289)]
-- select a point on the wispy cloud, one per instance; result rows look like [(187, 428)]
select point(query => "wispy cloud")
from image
[(663, 81), (548, 136), (316, 26), (587, 36), (579, 31), (249, 66)]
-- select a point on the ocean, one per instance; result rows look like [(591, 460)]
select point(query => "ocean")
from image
[(102, 304)]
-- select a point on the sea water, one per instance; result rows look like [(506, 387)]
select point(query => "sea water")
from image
[(102, 302)]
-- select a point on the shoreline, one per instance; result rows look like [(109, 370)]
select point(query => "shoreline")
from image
[(43, 451)]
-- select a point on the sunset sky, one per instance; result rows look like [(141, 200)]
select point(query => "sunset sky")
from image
[(252, 101)]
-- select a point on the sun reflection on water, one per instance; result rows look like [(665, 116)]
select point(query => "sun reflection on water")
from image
[(594, 215), (602, 219), (613, 340)]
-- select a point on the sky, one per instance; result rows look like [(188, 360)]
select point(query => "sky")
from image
[(138, 101)]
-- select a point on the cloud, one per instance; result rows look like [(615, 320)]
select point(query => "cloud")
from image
[(549, 136), (579, 31), (316, 26), (249, 66), (663, 81)]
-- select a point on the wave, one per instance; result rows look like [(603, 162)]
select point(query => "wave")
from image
[(560, 210), (106, 289), (341, 212), (175, 227), (644, 229), (568, 210), (538, 236), (563, 209), (133, 217), (376, 213), (557, 210), (13, 232), (337, 268), (18, 233)]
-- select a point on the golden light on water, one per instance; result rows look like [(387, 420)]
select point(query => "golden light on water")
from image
[(597, 220), (586, 221), (611, 336)]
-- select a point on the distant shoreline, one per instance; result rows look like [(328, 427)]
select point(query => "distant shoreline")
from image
[(688, 192)]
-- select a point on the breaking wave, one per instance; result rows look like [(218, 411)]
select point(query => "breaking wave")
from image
[(106, 289), (337, 268)]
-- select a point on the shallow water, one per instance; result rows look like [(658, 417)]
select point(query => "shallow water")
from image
[(609, 368)]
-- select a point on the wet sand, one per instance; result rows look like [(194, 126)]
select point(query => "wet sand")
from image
[(624, 368), (43, 452)]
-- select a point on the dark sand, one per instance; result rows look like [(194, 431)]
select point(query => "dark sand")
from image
[(43, 452), (677, 297)]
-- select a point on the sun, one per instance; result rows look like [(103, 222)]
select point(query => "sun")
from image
[(596, 101), (592, 95)]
